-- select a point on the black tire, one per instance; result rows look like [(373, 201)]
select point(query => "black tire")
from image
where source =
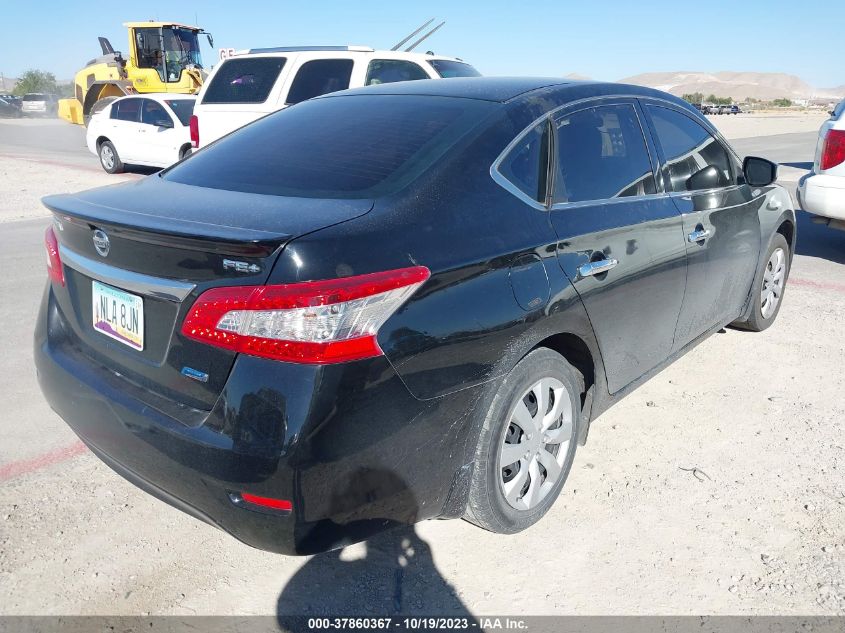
[(99, 104), (756, 321), (115, 166), (487, 506), (185, 152)]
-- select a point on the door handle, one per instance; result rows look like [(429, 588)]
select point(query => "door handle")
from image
[(773, 204), (698, 236), (596, 268)]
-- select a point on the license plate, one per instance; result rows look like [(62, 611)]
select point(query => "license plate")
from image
[(118, 315)]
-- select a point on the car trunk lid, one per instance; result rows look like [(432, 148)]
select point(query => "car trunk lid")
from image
[(153, 247)]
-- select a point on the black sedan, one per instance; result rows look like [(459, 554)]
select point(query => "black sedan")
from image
[(400, 302)]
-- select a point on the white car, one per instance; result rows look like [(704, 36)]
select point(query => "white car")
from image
[(254, 83), (822, 191), (39, 104), (150, 130)]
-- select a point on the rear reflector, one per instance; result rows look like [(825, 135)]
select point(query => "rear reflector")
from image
[(194, 125), (254, 502), (54, 261), (833, 152), (315, 322)]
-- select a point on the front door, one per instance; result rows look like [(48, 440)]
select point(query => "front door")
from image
[(621, 239), (158, 139), (720, 216)]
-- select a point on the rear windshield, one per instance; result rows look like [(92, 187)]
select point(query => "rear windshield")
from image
[(448, 69), (335, 147), (245, 80), (183, 108), (34, 96)]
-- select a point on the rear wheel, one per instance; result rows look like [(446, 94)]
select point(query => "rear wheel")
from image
[(185, 152), (527, 444), (769, 286), (109, 158)]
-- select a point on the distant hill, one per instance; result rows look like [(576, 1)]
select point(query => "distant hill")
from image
[(737, 85)]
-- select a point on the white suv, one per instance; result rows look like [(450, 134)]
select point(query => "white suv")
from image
[(254, 83), (822, 191)]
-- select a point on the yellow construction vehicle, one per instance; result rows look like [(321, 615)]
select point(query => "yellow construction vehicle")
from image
[(163, 57)]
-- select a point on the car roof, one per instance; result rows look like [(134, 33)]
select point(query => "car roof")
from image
[(502, 89), (329, 51), (159, 96)]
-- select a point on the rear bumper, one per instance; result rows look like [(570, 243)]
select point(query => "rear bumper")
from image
[(823, 194), (347, 444)]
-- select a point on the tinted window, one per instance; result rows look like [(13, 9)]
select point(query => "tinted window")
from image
[(527, 164), (448, 69), (688, 148), (244, 80), (126, 110), (601, 154), (153, 113), (35, 96), (336, 147), (385, 71), (183, 108), (320, 77)]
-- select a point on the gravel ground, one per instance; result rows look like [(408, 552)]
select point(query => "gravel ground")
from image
[(715, 488)]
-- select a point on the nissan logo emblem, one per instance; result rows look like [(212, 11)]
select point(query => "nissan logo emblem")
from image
[(101, 242)]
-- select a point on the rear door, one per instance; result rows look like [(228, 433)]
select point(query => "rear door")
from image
[(620, 237), (721, 222), (124, 124)]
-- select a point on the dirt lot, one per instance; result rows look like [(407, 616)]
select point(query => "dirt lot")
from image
[(758, 528)]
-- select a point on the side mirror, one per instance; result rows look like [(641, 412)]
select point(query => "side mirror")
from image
[(163, 123), (706, 178), (759, 172), (210, 39)]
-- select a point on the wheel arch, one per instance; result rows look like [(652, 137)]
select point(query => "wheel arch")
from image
[(787, 229), (101, 139)]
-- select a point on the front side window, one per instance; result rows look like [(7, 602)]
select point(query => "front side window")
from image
[(601, 154), (447, 69), (689, 148), (319, 77), (527, 164), (244, 80), (126, 110), (386, 71), (152, 113)]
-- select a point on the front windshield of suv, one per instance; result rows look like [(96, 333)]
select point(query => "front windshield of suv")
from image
[(335, 147), (448, 69)]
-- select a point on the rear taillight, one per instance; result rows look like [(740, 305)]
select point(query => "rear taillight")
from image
[(54, 261), (833, 151), (314, 322), (194, 125)]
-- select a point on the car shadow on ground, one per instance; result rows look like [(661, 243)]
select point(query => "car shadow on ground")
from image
[(799, 165), (140, 170), (819, 240), (390, 574)]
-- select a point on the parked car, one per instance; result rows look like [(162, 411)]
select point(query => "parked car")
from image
[(710, 109), (822, 191), (400, 302), (8, 109), (39, 104), (252, 84), (150, 130)]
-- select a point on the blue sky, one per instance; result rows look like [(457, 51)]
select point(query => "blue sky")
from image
[(604, 39)]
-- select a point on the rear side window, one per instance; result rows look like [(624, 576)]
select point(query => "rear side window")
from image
[(244, 80), (336, 147), (601, 154), (319, 77), (527, 164), (448, 69), (688, 148), (385, 71), (183, 108), (126, 110)]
